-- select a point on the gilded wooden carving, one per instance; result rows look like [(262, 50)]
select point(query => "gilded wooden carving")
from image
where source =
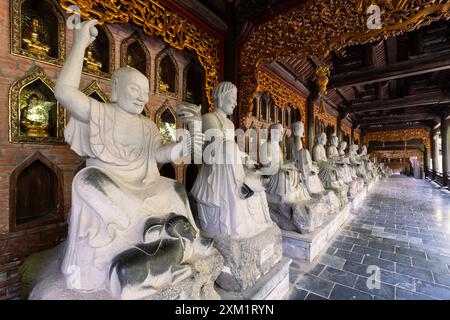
[(94, 91), (325, 117), (37, 31), (34, 114), (318, 27), (155, 19), (139, 62), (399, 135), (282, 95)]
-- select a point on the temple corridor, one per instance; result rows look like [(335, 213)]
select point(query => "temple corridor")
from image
[(403, 227)]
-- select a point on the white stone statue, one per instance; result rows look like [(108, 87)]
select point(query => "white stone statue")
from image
[(225, 207), (328, 174), (308, 169), (231, 205), (349, 168), (341, 166), (358, 164), (131, 231), (370, 166), (291, 206)]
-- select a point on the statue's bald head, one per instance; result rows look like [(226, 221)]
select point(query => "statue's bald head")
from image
[(130, 89)]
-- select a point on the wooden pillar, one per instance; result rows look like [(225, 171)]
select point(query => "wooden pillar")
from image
[(339, 127), (445, 148), (434, 152), (310, 119)]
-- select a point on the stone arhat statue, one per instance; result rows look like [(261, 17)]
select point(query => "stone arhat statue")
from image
[(131, 231)]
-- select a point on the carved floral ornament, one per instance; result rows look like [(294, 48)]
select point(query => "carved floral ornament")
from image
[(346, 130), (400, 135), (319, 27), (155, 19), (325, 117), (398, 154), (281, 94)]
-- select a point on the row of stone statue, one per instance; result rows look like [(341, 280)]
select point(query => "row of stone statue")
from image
[(306, 189), (132, 234)]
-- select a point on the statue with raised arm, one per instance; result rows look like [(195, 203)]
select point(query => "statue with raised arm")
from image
[(341, 166), (308, 169), (290, 204), (131, 231), (328, 174), (231, 204)]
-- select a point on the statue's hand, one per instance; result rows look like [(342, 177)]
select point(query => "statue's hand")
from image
[(86, 34), (189, 113)]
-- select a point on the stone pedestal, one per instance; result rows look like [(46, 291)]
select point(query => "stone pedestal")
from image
[(357, 201), (307, 246), (51, 284), (272, 286), (248, 259)]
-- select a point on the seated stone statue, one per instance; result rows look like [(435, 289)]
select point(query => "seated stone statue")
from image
[(358, 164), (290, 204), (131, 231), (341, 166), (349, 168), (328, 173), (232, 206), (370, 166), (308, 169)]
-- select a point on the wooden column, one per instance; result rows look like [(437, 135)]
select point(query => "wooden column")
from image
[(445, 148), (310, 119)]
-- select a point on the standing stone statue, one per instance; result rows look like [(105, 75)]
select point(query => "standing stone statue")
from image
[(291, 206), (131, 231), (341, 166), (328, 173), (232, 206), (308, 169)]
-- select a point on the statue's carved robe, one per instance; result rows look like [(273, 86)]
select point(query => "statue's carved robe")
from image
[(221, 209), (115, 194)]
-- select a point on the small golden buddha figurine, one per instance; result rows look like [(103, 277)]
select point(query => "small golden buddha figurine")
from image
[(31, 41), (35, 116), (163, 87), (89, 61), (189, 95), (130, 61)]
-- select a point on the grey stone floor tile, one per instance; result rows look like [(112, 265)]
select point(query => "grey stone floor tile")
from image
[(414, 272), (347, 255), (402, 294), (383, 264), (433, 290), (443, 279), (339, 276), (398, 231), (379, 289), (332, 261), (297, 294), (395, 257), (315, 285), (345, 293)]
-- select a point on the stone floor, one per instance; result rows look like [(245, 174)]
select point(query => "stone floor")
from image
[(403, 231)]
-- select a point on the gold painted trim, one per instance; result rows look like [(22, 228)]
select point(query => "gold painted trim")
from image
[(16, 34), (155, 19), (159, 57), (318, 27), (94, 87), (135, 37), (14, 111), (399, 135)]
